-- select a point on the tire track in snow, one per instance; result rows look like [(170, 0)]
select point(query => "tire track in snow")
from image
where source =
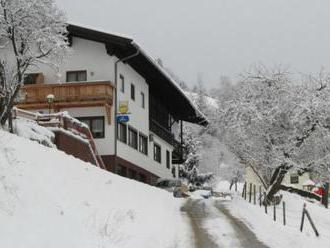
[(214, 226)]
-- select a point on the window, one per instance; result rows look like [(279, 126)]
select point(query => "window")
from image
[(143, 144), (133, 92), (157, 153), (142, 178), (122, 132), (132, 174), (294, 179), (168, 159), (142, 100), (122, 83), (95, 124), (31, 78), (121, 170), (174, 172), (76, 76), (132, 138)]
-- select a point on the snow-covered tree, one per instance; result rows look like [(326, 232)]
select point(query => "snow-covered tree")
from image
[(193, 148), (272, 124), (32, 32)]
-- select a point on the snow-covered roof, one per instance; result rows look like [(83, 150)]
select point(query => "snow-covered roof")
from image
[(122, 46)]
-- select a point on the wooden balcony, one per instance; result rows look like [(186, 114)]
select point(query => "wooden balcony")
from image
[(67, 95)]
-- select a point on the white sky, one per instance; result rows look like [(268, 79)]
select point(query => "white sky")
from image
[(217, 37)]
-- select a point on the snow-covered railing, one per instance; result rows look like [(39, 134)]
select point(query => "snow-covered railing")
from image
[(65, 121)]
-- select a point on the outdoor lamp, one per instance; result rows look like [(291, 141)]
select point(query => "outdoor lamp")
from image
[(50, 99)]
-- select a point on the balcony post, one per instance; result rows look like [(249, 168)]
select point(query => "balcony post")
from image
[(181, 136)]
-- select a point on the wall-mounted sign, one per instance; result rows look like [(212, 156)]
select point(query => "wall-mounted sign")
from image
[(122, 118), (123, 107)]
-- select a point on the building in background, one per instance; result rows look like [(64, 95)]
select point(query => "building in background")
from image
[(109, 80)]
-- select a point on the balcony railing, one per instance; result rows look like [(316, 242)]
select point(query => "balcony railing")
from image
[(179, 154), (66, 95), (161, 131)]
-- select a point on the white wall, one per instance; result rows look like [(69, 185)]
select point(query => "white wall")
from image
[(85, 55), (92, 56), (105, 146), (302, 179)]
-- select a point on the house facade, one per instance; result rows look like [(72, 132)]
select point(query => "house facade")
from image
[(291, 179), (128, 101)]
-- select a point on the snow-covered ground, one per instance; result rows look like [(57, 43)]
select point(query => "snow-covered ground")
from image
[(49, 199), (274, 234)]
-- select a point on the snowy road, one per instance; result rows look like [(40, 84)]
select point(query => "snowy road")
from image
[(214, 226)]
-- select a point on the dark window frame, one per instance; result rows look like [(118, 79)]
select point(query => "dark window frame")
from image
[(159, 160), (77, 71), (122, 83), (168, 159), (130, 130), (143, 99), (30, 78), (294, 179), (90, 119), (120, 124), (145, 137), (132, 91)]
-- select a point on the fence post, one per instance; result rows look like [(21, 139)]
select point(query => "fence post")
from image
[(244, 189), (265, 203), (254, 194), (245, 192), (236, 186), (260, 195), (274, 211), (325, 197), (302, 218), (312, 223), (250, 193), (284, 217)]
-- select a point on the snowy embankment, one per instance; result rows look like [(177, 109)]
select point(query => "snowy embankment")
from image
[(274, 234), (49, 199)]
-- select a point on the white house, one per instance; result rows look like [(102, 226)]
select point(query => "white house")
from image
[(291, 179), (105, 74)]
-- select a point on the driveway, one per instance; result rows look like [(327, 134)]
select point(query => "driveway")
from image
[(214, 226)]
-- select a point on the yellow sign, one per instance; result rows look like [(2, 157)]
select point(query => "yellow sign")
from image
[(123, 107)]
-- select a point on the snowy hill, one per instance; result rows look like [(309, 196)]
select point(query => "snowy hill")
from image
[(49, 199)]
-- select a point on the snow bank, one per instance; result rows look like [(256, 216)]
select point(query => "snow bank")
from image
[(49, 199), (31, 130), (274, 234)]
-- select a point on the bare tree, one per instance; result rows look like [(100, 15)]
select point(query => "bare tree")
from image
[(272, 125), (32, 32)]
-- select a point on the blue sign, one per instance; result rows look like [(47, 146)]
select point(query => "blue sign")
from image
[(122, 118)]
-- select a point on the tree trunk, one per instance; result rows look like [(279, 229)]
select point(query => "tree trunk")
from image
[(10, 106), (276, 182)]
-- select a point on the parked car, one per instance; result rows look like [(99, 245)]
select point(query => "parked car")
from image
[(168, 184), (174, 186)]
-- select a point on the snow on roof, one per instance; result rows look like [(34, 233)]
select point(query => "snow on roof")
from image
[(210, 101), (174, 83), (100, 30), (308, 183)]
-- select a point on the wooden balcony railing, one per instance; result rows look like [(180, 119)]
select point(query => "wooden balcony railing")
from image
[(66, 95), (161, 131)]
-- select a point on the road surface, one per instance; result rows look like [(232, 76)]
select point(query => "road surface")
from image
[(214, 226)]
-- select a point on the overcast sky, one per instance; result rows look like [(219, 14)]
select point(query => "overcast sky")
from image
[(217, 37)]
